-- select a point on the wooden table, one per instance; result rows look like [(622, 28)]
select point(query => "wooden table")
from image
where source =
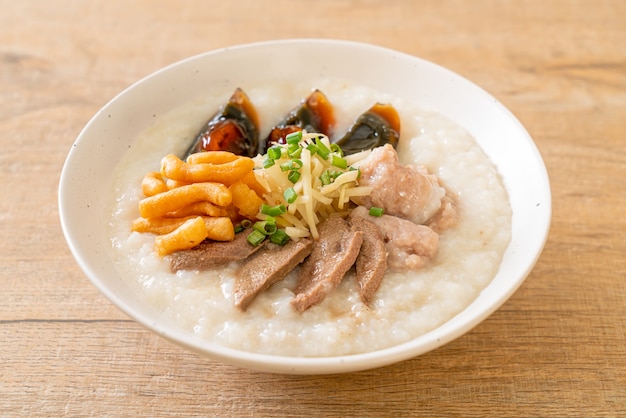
[(556, 348)]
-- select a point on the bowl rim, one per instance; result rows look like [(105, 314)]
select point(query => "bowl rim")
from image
[(431, 340)]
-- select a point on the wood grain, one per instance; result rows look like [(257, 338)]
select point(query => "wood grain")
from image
[(556, 348)]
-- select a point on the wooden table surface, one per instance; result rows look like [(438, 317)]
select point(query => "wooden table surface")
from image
[(556, 348)]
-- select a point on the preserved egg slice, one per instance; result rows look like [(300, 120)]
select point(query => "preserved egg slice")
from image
[(378, 126), (234, 128), (314, 114)]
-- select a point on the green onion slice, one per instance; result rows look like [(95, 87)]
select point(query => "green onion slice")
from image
[(294, 164), (329, 176), (295, 152), (336, 149), (270, 219), (290, 195), (274, 153), (312, 148), (279, 237), (256, 237), (273, 210), (325, 178), (322, 149), (265, 227), (294, 137), (375, 211), (268, 162), (337, 161), (293, 176)]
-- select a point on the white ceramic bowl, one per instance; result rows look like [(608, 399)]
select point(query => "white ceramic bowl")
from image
[(103, 141)]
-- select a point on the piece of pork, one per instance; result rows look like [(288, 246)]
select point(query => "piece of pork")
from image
[(446, 217), (371, 263), (402, 190), (209, 254), (409, 246), (334, 253), (267, 267)]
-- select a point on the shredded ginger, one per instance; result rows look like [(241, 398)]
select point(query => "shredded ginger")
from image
[(324, 181)]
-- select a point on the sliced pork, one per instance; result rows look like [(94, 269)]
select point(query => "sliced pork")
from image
[(209, 254), (405, 191), (371, 263), (333, 255), (409, 246), (267, 267), (446, 217)]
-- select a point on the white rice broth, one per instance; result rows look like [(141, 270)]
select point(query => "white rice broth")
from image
[(406, 304)]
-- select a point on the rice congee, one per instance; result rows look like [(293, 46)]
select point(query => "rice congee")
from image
[(406, 305)]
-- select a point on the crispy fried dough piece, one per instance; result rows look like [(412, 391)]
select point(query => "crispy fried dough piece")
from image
[(175, 199)]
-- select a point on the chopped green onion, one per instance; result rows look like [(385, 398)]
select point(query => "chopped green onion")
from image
[(293, 176), (322, 149), (273, 210), (291, 165), (328, 176), (290, 195), (294, 137), (239, 228), (325, 178), (337, 149), (274, 153), (295, 152), (339, 162), (312, 148), (279, 237), (374, 211), (268, 162), (264, 227), (246, 223), (256, 237)]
